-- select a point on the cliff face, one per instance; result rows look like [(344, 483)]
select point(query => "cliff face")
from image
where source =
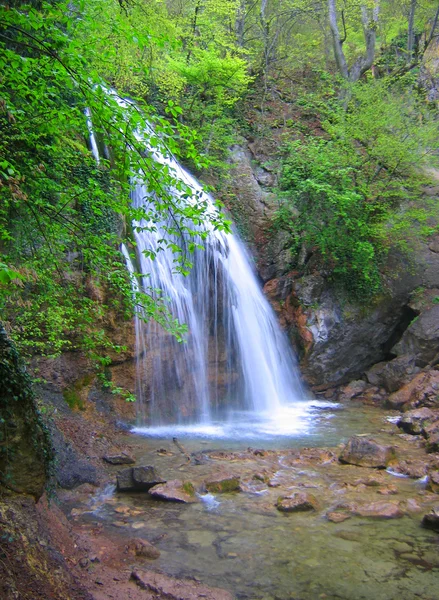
[(25, 448), (336, 341)]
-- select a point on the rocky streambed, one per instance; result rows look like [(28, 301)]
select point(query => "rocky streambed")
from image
[(346, 521)]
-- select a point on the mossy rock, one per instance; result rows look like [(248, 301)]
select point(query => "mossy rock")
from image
[(223, 484)]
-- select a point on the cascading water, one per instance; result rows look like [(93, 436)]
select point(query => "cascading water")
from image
[(235, 360), (235, 356)]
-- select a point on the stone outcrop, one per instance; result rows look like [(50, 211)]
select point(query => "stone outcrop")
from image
[(365, 452), (421, 338)]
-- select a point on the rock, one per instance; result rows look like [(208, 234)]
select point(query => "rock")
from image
[(123, 458), (223, 483), (141, 547), (337, 517), (174, 491), (365, 452), (393, 374), (388, 490), (414, 421), (70, 470), (431, 520), (25, 447), (296, 502), (412, 506), (415, 469), (177, 589), (353, 389), (433, 482), (138, 479), (379, 510), (421, 338), (422, 390), (433, 443)]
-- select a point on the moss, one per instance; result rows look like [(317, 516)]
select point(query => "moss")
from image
[(223, 486), (25, 445), (73, 399), (189, 488)]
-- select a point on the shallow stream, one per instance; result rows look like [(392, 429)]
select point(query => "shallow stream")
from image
[(240, 541)]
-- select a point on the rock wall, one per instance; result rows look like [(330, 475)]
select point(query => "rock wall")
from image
[(25, 448), (335, 341)]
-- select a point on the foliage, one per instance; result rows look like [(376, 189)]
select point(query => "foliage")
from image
[(348, 185), (61, 214)]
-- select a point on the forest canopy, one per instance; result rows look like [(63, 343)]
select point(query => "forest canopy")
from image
[(359, 78)]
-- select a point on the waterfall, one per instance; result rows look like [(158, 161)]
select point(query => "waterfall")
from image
[(235, 358)]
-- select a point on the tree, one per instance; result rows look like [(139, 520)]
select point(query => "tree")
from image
[(61, 214), (369, 20)]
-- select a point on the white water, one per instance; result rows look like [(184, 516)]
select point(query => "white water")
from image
[(235, 359)]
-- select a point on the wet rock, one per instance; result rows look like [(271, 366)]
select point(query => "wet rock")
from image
[(364, 452), (422, 390), (379, 510), (415, 469), (431, 520), (296, 502), (411, 506), (374, 481), (122, 458), (142, 548), (223, 484), (433, 482), (421, 338), (177, 589), (393, 374), (337, 517), (414, 421), (174, 491), (138, 479), (388, 490)]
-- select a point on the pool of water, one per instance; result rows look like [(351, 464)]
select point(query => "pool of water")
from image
[(242, 543), (305, 423)]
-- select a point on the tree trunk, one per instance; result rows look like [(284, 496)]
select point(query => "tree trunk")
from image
[(411, 32), (369, 19)]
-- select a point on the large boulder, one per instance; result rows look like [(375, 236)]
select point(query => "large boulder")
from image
[(392, 375), (422, 390), (421, 339), (364, 452), (138, 479)]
